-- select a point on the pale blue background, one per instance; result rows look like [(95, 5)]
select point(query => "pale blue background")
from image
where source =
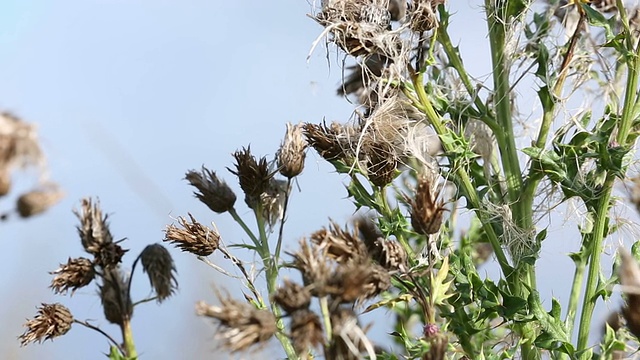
[(128, 95)]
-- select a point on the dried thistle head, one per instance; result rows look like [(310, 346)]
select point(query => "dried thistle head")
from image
[(94, 228), (306, 332), (19, 145), (312, 263), (390, 255), (38, 201), (629, 274), (357, 282), (193, 237), (292, 297), (272, 201), (158, 264), (381, 164), (252, 174), (340, 245), (423, 15), (242, 324), (349, 339), (426, 211), (292, 152), (76, 273), (212, 191), (114, 294), (335, 142), (52, 320)]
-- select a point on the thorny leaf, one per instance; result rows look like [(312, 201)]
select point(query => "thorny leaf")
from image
[(390, 303)]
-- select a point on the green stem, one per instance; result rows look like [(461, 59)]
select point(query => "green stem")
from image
[(574, 296), (244, 226), (630, 95), (127, 339)]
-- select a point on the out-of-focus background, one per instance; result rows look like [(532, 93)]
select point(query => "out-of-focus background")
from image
[(128, 95)]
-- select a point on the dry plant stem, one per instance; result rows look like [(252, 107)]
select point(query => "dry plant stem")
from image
[(144, 301), (276, 257), (127, 339), (244, 272), (216, 267), (95, 328)]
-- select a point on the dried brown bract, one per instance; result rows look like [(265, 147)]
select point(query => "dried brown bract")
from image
[(426, 211), (306, 332), (212, 191), (423, 14), (76, 273), (253, 176), (52, 320), (94, 228), (312, 263), (358, 282), (335, 142), (114, 294), (382, 163), (292, 152), (389, 254), (272, 201), (38, 201), (158, 264), (292, 297), (242, 324), (340, 245), (193, 237), (629, 274)]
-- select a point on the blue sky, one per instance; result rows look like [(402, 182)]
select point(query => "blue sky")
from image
[(128, 95)]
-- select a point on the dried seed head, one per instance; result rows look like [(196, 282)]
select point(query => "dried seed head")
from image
[(358, 282), (390, 255), (292, 152), (19, 145), (76, 273), (306, 331), (158, 264), (292, 297), (38, 201), (423, 15), (381, 163), (349, 339), (212, 191), (272, 201), (336, 142), (5, 182), (94, 228), (52, 320), (340, 245), (397, 9), (481, 253), (243, 325), (630, 281), (426, 212), (194, 237), (114, 294), (311, 261), (252, 174)]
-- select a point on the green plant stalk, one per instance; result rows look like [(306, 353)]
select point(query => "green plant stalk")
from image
[(574, 297), (630, 98), (326, 317), (381, 197), (127, 339), (594, 248), (238, 219)]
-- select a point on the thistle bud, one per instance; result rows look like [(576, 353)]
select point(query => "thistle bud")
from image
[(253, 175), (212, 191), (158, 264), (76, 273), (426, 212), (193, 237), (292, 152), (114, 293)]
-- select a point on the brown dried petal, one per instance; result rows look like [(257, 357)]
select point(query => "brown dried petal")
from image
[(76, 273), (426, 212), (252, 174), (212, 191), (292, 297), (94, 228), (194, 237), (52, 320), (340, 245), (158, 264)]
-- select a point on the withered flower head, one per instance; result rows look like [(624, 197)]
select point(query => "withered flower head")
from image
[(381, 163), (194, 237), (332, 143), (340, 245), (390, 255), (76, 273), (423, 15), (252, 174), (52, 320), (292, 297), (358, 282), (272, 201), (629, 274), (114, 294), (38, 201), (19, 145), (306, 331), (243, 325), (158, 264), (94, 228), (312, 263), (292, 152), (426, 211), (212, 191), (349, 339)]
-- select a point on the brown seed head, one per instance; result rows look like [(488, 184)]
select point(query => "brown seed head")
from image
[(52, 320), (19, 145), (243, 325), (94, 228), (340, 245), (114, 294), (252, 174), (426, 212), (358, 282), (158, 264), (272, 201), (332, 143), (382, 163), (390, 255), (76, 273), (38, 201), (423, 15), (292, 297), (312, 263), (212, 191), (194, 237), (629, 274), (292, 152), (306, 331)]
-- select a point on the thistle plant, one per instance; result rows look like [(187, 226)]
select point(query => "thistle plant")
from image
[(446, 176)]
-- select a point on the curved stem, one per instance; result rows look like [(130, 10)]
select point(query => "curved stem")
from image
[(95, 328), (244, 226)]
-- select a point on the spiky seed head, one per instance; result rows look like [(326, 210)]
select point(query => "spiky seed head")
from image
[(242, 324), (158, 264), (292, 152), (292, 297), (212, 191), (312, 263), (38, 201), (340, 245), (76, 273), (52, 320), (390, 255), (19, 144), (193, 237), (629, 274), (94, 228), (358, 282), (114, 294), (381, 163), (426, 211), (335, 142), (306, 331), (253, 175)]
